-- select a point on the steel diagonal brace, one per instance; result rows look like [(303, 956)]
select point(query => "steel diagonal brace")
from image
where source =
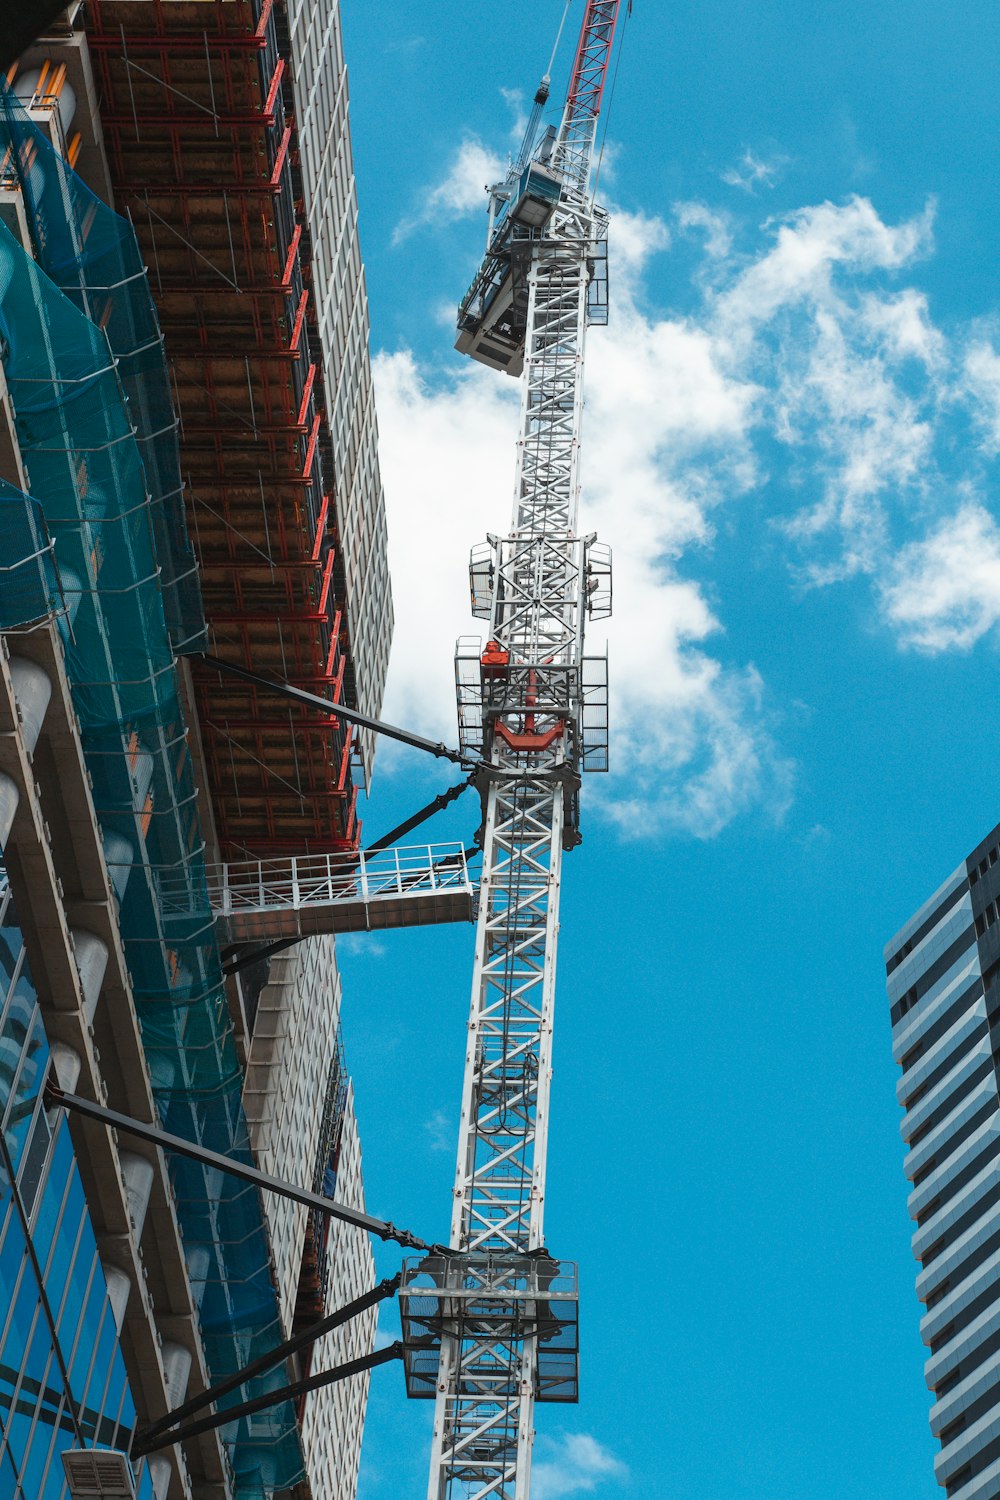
[(381, 1228), (474, 764), (271, 1398), (340, 711), (144, 1440)]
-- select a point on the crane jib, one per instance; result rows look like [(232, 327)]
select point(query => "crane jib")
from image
[(593, 54)]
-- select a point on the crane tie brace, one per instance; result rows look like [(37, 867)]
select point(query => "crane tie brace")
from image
[(500, 1314)]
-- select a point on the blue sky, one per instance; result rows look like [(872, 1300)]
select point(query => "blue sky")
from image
[(791, 443)]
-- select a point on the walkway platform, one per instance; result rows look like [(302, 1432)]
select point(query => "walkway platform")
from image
[(417, 886)]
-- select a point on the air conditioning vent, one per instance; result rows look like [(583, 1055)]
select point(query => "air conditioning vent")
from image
[(98, 1474)]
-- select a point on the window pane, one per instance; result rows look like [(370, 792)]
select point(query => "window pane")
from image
[(27, 1081), (53, 1193), (34, 1364), (34, 1160)]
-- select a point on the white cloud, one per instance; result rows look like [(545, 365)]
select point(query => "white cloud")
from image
[(982, 386), (849, 377), (752, 172), (406, 44), (446, 440), (810, 246), (716, 226), (806, 374), (441, 1131), (356, 944), (462, 191), (514, 100), (664, 440), (903, 322), (472, 170), (573, 1464), (870, 440), (944, 591), (637, 237), (385, 1336)]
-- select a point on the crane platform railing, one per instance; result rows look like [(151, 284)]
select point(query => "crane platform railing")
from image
[(305, 895)]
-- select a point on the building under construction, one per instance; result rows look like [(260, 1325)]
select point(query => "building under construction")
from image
[(187, 462), (228, 143)]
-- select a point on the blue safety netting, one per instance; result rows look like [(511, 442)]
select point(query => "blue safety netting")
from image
[(92, 254), (29, 582), (88, 492)]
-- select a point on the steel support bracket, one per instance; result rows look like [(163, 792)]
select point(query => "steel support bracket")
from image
[(55, 1097)]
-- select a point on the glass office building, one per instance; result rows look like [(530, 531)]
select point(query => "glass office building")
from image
[(943, 980), (62, 1377)]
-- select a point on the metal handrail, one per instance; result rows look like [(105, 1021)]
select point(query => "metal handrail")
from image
[(311, 880)]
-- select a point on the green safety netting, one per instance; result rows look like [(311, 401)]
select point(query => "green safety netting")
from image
[(88, 493), (91, 253), (29, 582)]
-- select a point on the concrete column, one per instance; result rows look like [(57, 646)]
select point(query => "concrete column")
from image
[(160, 1470), (119, 1287), (9, 798), (198, 1263), (91, 961), (215, 1183), (177, 1368), (119, 854), (67, 1066), (95, 503), (26, 86), (138, 1175), (141, 767), (32, 691), (182, 981)]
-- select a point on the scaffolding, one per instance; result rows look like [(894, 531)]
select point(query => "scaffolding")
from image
[(201, 140)]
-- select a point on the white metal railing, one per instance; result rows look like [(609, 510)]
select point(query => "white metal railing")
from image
[(317, 880)]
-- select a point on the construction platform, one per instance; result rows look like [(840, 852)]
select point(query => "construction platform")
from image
[(266, 900)]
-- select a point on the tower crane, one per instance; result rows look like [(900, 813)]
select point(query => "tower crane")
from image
[(491, 1327), (489, 1321)]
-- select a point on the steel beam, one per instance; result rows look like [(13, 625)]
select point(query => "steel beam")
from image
[(381, 1228), (317, 1330), (339, 711), (271, 1398)]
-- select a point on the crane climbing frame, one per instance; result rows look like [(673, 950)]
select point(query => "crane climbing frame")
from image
[(488, 1311)]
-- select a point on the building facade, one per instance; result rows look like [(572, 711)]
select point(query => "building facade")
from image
[(229, 148), (187, 460), (62, 1376), (943, 981), (296, 1059), (320, 92)]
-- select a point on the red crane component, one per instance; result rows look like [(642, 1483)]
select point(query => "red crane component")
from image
[(495, 660), (528, 742), (593, 54)]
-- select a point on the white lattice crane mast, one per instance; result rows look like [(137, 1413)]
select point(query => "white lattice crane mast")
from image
[(492, 1327)]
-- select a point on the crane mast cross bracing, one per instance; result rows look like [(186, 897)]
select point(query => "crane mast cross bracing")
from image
[(492, 1327)]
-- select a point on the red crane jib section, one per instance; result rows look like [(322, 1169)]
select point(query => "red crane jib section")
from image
[(593, 53)]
